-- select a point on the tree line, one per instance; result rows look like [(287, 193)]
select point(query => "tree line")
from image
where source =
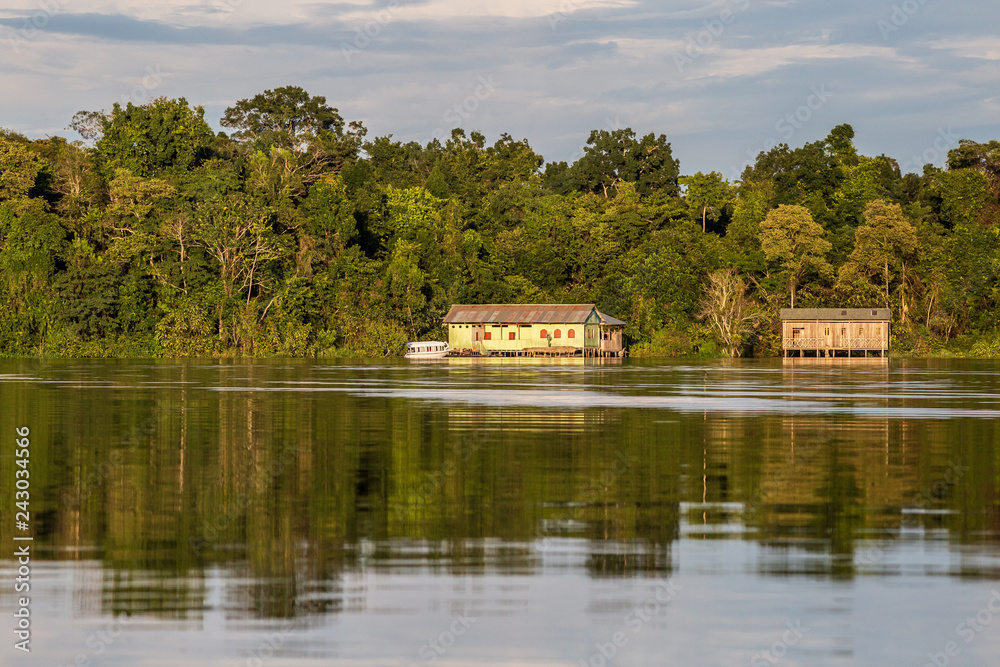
[(293, 233)]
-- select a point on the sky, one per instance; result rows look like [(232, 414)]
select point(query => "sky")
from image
[(722, 80)]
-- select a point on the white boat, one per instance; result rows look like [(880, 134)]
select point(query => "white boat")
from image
[(430, 349)]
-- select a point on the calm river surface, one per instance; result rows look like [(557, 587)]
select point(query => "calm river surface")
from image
[(229, 513)]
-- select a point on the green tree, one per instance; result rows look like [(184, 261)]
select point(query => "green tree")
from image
[(287, 117), (291, 138), (163, 135), (614, 157), (406, 280), (707, 194), (73, 184), (791, 238), (867, 180), (731, 313), (18, 169), (883, 245), (330, 225), (754, 201), (238, 234)]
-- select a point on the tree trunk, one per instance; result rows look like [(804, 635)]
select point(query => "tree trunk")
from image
[(791, 284), (887, 284), (902, 293), (704, 210)]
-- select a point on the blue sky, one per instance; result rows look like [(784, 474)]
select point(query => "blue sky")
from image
[(722, 80)]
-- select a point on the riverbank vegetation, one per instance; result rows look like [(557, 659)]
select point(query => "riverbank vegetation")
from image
[(294, 233)]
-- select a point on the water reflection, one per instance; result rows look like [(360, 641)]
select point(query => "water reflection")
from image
[(275, 492)]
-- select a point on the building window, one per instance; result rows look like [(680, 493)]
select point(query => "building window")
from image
[(543, 333), (488, 335), (843, 332), (512, 335), (861, 331), (571, 333), (827, 332), (557, 334)]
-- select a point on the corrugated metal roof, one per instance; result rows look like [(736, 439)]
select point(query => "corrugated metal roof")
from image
[(838, 314), (519, 313), (610, 321)]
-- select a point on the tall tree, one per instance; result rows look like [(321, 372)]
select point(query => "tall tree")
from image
[(287, 117), (160, 136), (791, 238), (292, 138), (613, 157), (883, 245), (18, 169), (731, 313), (707, 194), (238, 234)]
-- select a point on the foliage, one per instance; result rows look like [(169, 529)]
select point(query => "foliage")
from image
[(18, 169), (882, 247), (731, 314), (296, 236), (707, 194), (284, 117), (790, 238), (150, 139), (615, 157)]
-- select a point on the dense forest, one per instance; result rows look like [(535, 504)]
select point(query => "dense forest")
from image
[(293, 233)]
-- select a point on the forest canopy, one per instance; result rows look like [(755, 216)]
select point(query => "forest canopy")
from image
[(296, 234)]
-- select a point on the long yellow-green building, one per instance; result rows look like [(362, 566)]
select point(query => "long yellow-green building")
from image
[(527, 329)]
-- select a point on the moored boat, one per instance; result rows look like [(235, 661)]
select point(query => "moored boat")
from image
[(430, 349)]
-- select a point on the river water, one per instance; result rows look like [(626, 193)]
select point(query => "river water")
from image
[(474, 512)]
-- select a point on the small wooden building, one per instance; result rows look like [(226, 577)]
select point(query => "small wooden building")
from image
[(835, 332), (534, 330)]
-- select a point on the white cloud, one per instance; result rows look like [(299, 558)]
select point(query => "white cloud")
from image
[(566, 67), (732, 62), (985, 48), (188, 12)]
